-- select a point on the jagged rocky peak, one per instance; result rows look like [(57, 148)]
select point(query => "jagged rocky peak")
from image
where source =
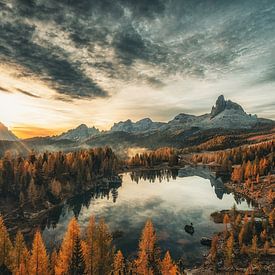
[(81, 132), (82, 127), (222, 104), (145, 120)]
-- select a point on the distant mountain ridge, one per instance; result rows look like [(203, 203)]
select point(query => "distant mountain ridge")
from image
[(6, 134), (225, 115), (80, 133), (145, 124)]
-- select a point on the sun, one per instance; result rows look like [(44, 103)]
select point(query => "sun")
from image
[(11, 108)]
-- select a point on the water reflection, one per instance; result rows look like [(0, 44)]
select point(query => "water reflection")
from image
[(171, 198)]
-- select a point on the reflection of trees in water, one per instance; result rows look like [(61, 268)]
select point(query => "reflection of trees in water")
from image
[(76, 203), (239, 199), (153, 175)]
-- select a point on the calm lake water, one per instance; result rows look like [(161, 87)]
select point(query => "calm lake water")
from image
[(171, 199)]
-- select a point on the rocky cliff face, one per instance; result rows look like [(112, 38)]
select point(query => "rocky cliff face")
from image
[(222, 105)]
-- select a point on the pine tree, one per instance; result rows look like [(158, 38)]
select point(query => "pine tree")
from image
[(39, 264), (66, 250), (167, 265), (119, 264), (77, 264), (5, 246)]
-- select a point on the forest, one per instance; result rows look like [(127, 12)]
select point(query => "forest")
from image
[(88, 251), (53, 174)]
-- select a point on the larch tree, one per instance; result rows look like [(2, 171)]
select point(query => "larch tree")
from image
[(167, 266), (66, 250), (142, 264), (39, 264), (147, 245), (90, 247), (6, 247), (254, 247), (119, 263), (20, 255), (226, 221), (105, 248), (229, 249), (214, 249), (53, 262), (77, 263)]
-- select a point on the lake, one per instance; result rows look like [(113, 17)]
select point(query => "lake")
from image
[(171, 198)]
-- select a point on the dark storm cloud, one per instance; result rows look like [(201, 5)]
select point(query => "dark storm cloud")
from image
[(71, 45)]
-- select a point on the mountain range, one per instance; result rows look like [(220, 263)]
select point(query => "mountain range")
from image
[(226, 117)]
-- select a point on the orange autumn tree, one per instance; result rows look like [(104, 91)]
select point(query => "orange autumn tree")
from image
[(89, 247), (66, 250), (142, 264), (21, 255), (5, 246), (39, 264), (105, 246), (119, 263), (167, 265), (148, 251)]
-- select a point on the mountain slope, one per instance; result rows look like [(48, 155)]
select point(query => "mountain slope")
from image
[(6, 134), (80, 133)]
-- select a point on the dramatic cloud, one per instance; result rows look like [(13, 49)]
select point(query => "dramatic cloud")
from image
[(89, 49)]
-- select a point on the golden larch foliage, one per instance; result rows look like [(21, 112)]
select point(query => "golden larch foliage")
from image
[(119, 263), (6, 247), (167, 265), (66, 250), (39, 264), (20, 255)]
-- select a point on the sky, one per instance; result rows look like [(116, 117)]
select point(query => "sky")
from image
[(65, 62)]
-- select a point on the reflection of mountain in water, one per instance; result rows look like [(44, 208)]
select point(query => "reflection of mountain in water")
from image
[(206, 173)]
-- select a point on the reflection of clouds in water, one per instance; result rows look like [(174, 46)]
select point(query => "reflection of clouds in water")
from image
[(171, 205)]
